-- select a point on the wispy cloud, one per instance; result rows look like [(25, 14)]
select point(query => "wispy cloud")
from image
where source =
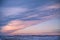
[(13, 10), (48, 7), (16, 25), (26, 15)]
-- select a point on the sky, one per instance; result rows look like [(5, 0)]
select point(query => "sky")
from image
[(21, 17)]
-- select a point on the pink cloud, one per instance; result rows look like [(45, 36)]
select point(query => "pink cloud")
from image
[(16, 25)]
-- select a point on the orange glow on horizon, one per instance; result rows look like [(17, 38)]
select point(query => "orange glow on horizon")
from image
[(17, 25)]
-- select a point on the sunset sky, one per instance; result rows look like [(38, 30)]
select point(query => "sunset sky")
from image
[(22, 17)]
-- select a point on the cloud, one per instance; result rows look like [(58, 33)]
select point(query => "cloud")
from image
[(48, 7), (16, 25), (36, 29), (13, 10), (29, 15)]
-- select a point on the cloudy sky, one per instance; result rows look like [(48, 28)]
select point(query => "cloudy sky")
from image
[(39, 17)]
